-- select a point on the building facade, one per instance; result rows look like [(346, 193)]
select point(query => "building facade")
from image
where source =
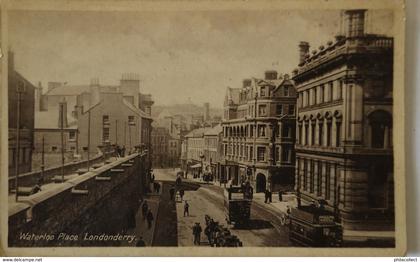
[(160, 147), (47, 137), (18, 84), (194, 146), (112, 119), (213, 151), (344, 150), (259, 133)]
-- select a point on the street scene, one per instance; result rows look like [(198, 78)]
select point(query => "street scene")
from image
[(212, 128)]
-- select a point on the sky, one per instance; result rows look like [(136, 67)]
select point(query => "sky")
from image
[(179, 55)]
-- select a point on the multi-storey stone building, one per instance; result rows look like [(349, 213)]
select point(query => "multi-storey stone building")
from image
[(344, 145), (213, 150), (259, 133)]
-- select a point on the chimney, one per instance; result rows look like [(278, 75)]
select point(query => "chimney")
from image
[(246, 83), (303, 52), (62, 114), (270, 75), (94, 91), (355, 22)]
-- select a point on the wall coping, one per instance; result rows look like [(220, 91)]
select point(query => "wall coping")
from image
[(31, 201)]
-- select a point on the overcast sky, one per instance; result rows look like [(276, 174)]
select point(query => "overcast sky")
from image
[(178, 55)]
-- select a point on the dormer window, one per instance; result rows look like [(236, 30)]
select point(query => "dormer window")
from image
[(286, 91), (263, 91)]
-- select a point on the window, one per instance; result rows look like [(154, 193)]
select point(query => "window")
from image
[(262, 110), (261, 154), (306, 133), (262, 91), (330, 91), (277, 153), (329, 125), (286, 130), (340, 90), (286, 91), (72, 148), (313, 134), (380, 124), (321, 94), (312, 178), (291, 109), (300, 134), (305, 174), (321, 134), (327, 181), (338, 134), (105, 134), (105, 119), (285, 155), (131, 120), (261, 130), (307, 98), (251, 131), (85, 148), (54, 148), (319, 182), (279, 109), (251, 152), (315, 98), (11, 157), (72, 135)]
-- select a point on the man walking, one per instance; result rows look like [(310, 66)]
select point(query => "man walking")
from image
[(181, 194), (266, 195), (186, 208), (197, 233), (149, 219)]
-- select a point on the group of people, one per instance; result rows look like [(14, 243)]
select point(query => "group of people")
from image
[(119, 151), (147, 214)]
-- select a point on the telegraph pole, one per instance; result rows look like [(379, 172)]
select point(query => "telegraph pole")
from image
[(62, 140), (88, 144), (116, 131), (43, 159), (19, 91)]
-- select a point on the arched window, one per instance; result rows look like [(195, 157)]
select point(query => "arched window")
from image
[(380, 123)]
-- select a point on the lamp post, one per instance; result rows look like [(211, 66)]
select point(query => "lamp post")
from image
[(21, 88), (88, 143), (43, 160), (62, 139)]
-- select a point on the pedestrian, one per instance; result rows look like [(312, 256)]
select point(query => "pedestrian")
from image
[(181, 193), (197, 233), (280, 196), (208, 232), (144, 209), (149, 218), (140, 242), (186, 208), (123, 151), (270, 196), (153, 178), (266, 195), (172, 192), (157, 188)]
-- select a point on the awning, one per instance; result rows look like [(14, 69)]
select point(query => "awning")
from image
[(196, 166)]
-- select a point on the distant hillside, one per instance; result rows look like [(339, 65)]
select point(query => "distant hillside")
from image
[(185, 110)]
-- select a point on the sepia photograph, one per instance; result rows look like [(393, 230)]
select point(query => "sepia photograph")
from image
[(213, 128)]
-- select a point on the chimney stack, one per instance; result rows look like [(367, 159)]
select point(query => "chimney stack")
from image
[(246, 83), (303, 52), (270, 75), (355, 22)]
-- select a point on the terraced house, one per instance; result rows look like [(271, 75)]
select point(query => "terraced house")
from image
[(344, 144), (259, 133)]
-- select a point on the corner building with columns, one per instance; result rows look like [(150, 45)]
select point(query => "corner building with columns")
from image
[(259, 133), (344, 154)]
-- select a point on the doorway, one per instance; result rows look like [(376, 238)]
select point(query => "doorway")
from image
[(260, 183)]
